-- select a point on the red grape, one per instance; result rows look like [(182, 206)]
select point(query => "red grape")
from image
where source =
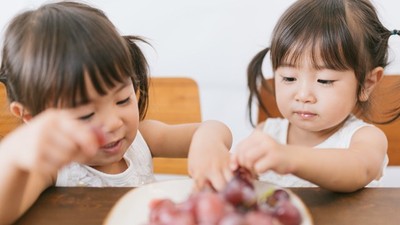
[(258, 218), (287, 213), (159, 207), (233, 218), (240, 190), (235, 205), (277, 195), (210, 208)]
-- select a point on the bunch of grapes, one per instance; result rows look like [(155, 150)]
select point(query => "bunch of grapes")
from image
[(237, 204)]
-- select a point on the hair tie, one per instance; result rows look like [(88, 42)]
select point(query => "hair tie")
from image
[(394, 32)]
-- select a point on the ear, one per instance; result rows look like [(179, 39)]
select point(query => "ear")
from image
[(370, 82), (18, 110)]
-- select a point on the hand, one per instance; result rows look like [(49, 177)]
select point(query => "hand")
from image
[(210, 166), (259, 153), (208, 158), (51, 140)]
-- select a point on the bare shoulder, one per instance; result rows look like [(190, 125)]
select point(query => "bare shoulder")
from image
[(260, 126), (370, 136)]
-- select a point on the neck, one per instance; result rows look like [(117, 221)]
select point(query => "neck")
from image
[(114, 168), (297, 136)]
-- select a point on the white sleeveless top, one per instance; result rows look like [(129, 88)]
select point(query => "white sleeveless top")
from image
[(140, 170), (277, 128)]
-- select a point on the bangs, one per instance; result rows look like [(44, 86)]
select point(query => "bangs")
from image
[(319, 35), (51, 53), (74, 93), (104, 59)]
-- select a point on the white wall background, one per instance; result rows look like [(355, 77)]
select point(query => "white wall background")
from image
[(211, 41)]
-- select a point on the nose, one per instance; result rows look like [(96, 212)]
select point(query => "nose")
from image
[(305, 94), (110, 121)]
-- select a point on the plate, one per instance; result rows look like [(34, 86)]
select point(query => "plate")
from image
[(133, 207)]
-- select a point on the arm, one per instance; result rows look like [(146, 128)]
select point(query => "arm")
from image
[(205, 144), (342, 170), (19, 190), (31, 155)]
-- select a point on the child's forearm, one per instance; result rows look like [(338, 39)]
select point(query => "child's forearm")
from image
[(13, 185), (338, 170), (214, 131)]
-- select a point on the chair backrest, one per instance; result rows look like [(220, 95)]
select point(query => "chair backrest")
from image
[(8, 122), (387, 99), (173, 100)]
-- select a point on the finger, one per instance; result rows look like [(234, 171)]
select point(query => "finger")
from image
[(85, 139), (254, 152), (70, 143), (245, 159), (200, 183), (228, 174), (233, 163), (262, 166), (242, 150), (254, 155), (218, 180), (57, 149)]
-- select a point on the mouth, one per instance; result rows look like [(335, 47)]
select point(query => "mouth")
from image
[(305, 115), (112, 147)]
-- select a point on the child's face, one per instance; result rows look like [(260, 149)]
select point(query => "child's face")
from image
[(315, 99), (116, 113)]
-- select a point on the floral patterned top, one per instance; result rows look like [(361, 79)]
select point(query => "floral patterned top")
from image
[(140, 170)]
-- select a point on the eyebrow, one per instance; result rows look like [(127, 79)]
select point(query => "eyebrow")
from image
[(318, 67), (287, 65), (118, 89), (122, 86)]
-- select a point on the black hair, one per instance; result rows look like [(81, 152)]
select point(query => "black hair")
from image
[(48, 51), (345, 34)]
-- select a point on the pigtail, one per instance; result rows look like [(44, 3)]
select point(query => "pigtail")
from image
[(4, 78), (394, 113), (254, 77), (388, 115), (141, 78)]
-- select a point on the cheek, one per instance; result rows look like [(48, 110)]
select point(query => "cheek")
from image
[(131, 121), (336, 106), (131, 116), (283, 99), (340, 96)]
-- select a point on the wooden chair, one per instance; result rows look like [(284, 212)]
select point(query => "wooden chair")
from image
[(173, 100), (8, 122), (385, 91)]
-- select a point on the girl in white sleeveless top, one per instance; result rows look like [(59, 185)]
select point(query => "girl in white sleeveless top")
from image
[(83, 89), (327, 58)]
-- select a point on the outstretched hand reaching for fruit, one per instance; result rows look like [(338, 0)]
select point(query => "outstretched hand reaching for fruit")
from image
[(238, 203)]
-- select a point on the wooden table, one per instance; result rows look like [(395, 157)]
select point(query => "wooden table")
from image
[(88, 206)]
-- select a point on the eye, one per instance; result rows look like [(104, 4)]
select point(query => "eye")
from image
[(326, 82), (288, 79), (125, 101), (86, 117)]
